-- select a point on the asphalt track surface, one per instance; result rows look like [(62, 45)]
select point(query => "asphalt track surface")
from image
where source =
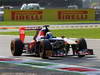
[(88, 61)]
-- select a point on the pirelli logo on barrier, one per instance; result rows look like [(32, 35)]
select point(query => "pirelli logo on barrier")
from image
[(26, 15), (72, 15), (49, 15)]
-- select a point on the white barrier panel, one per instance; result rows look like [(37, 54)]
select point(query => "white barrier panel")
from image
[(74, 26), (68, 26)]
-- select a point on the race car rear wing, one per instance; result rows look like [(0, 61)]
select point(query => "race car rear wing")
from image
[(23, 29)]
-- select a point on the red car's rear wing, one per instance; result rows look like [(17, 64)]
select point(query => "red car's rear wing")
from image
[(23, 29)]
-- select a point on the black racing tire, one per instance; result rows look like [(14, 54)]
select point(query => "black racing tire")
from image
[(82, 43), (82, 46), (16, 47), (45, 47)]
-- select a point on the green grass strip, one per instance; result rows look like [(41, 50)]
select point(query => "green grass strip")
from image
[(43, 23), (69, 33)]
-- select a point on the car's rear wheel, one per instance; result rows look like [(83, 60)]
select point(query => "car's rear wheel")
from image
[(46, 49), (17, 47)]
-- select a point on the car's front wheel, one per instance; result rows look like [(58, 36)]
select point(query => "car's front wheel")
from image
[(82, 45)]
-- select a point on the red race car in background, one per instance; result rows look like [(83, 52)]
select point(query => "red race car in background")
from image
[(45, 45)]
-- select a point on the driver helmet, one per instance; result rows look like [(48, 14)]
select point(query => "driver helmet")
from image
[(49, 34)]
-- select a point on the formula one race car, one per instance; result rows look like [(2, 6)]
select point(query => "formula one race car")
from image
[(45, 45)]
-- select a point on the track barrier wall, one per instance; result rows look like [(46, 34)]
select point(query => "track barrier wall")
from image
[(49, 15), (52, 27)]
